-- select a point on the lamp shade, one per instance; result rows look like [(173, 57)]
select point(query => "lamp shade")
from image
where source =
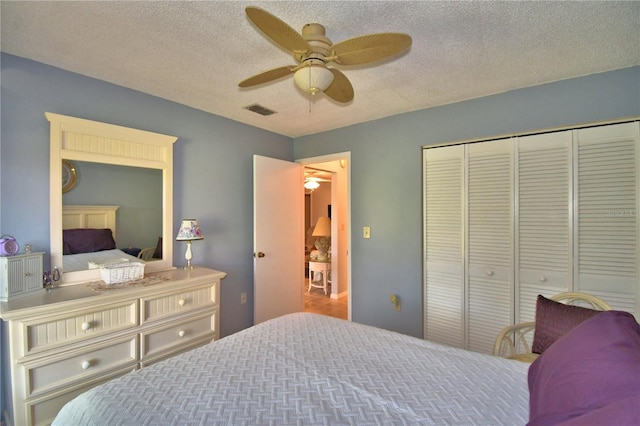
[(323, 227), (313, 78), (189, 230)]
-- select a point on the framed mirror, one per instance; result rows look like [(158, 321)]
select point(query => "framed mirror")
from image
[(111, 155)]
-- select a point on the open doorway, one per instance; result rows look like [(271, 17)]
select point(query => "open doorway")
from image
[(330, 199)]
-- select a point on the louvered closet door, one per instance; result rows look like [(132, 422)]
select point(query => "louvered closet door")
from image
[(607, 214), (443, 245), (543, 220), (489, 242)]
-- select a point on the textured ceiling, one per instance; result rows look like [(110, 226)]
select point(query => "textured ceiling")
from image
[(196, 53)]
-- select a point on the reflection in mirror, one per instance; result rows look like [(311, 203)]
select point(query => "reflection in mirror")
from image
[(137, 224), (128, 169)]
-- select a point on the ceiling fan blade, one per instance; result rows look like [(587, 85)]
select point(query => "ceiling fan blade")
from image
[(267, 76), (340, 89), (370, 48), (278, 31)]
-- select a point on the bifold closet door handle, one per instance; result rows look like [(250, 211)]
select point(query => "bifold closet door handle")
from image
[(259, 254)]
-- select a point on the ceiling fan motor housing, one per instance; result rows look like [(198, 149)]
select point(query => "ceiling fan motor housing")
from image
[(314, 34)]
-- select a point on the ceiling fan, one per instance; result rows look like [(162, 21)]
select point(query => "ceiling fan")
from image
[(312, 52)]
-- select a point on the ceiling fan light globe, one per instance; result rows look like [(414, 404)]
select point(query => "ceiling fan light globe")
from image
[(313, 79)]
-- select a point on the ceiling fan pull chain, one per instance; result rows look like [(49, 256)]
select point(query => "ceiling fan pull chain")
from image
[(309, 92)]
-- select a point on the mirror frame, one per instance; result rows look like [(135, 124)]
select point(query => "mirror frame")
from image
[(78, 139)]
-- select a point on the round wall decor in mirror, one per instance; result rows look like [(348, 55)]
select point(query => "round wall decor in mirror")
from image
[(69, 176)]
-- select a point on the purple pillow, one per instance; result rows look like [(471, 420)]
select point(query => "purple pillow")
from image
[(554, 319), (87, 240), (619, 413), (589, 374)]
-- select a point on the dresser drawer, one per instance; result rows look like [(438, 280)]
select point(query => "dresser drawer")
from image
[(81, 325), (41, 410), (177, 335), (155, 308), (74, 366)]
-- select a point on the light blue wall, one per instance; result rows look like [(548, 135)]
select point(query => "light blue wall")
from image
[(213, 164), (213, 160), (386, 179)]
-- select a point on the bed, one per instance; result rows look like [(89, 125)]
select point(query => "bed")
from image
[(311, 369), (89, 238)]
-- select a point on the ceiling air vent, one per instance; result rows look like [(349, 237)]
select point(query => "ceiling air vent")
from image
[(259, 109)]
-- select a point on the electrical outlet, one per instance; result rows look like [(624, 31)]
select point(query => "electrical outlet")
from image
[(243, 298)]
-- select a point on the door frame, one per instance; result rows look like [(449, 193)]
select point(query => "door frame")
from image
[(338, 156)]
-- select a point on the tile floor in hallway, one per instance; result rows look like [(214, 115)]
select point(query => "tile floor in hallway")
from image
[(315, 301)]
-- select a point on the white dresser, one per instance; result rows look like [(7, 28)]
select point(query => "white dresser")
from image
[(60, 343)]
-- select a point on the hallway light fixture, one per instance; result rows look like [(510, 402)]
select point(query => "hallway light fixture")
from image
[(311, 184)]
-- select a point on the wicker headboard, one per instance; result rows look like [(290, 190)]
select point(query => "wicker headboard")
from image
[(99, 217)]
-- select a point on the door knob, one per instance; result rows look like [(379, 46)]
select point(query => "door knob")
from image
[(259, 254)]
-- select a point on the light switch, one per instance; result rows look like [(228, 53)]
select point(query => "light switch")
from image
[(366, 232)]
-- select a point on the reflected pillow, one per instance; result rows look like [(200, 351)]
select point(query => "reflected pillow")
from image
[(89, 240), (554, 319)]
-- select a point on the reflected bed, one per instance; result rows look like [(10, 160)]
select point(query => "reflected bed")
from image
[(95, 260), (89, 238)]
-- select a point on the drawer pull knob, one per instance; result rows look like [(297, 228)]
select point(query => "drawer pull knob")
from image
[(86, 365), (85, 326), (181, 333), (489, 273), (543, 279), (182, 302)]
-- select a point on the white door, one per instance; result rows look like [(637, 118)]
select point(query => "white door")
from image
[(489, 242), (544, 241), (444, 188), (606, 202), (278, 238)]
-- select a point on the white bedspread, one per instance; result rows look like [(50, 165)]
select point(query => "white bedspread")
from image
[(311, 369)]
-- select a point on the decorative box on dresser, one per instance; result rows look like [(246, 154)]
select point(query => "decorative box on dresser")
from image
[(60, 343), (20, 275)]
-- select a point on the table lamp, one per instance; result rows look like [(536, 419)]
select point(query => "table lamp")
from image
[(189, 231), (323, 230)]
